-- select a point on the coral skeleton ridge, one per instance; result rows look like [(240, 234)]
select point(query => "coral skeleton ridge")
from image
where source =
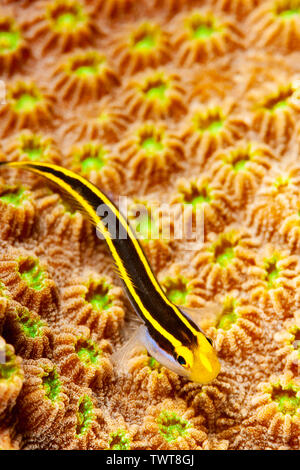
[(191, 105)]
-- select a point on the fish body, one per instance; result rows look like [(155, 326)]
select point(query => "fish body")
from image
[(169, 334)]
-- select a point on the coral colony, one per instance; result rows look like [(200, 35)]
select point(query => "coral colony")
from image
[(192, 104)]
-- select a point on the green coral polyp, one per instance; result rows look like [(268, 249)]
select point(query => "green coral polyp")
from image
[(33, 147), (287, 9), (198, 196), (210, 121), (85, 415), (203, 27), (145, 43), (223, 250), (87, 351), (272, 271), (31, 272), (153, 364), (146, 225), (32, 327), (92, 157), (9, 368), (14, 196), (156, 90), (119, 440), (51, 384), (287, 398), (26, 102), (152, 146), (87, 66), (66, 18), (98, 295), (177, 290), (172, 426), (290, 13), (9, 41), (229, 315)]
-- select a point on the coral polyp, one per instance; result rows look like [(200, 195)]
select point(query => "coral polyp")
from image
[(277, 408), (94, 302), (30, 335), (276, 206), (17, 211), (94, 161), (225, 260), (26, 106), (84, 76), (200, 194), (274, 114), (80, 358), (279, 22), (240, 169), (62, 25), (146, 46), (29, 283), (172, 425), (153, 151), (35, 147), (155, 94), (201, 36), (185, 113), (210, 128), (237, 327), (272, 280), (13, 47), (43, 397)]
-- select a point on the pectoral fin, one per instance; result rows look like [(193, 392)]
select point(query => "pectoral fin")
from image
[(134, 344), (203, 316)]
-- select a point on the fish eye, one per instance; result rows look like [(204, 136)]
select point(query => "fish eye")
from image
[(181, 360)]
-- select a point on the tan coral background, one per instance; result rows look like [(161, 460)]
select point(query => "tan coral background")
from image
[(218, 92)]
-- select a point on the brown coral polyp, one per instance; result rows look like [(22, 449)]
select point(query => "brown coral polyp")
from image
[(17, 211), (201, 36), (26, 106), (94, 302), (95, 161), (237, 328), (84, 76), (146, 46), (225, 260), (155, 94), (276, 25), (30, 335), (277, 408), (28, 282), (62, 25), (240, 169), (153, 151), (209, 128), (30, 146), (13, 47), (200, 194), (274, 114), (80, 358)]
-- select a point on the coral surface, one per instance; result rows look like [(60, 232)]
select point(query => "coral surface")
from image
[(193, 105)]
